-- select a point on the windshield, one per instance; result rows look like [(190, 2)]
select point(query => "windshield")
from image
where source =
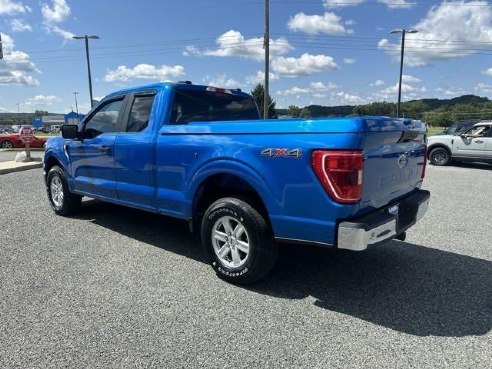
[(206, 106)]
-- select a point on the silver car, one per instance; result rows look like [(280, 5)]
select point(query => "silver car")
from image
[(474, 144)]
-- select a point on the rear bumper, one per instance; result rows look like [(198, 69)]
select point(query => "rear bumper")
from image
[(358, 234)]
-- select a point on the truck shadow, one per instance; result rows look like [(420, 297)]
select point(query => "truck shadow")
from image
[(406, 287), (402, 286), (472, 165), (156, 230)]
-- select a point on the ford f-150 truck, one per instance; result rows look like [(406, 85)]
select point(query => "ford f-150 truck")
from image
[(203, 154)]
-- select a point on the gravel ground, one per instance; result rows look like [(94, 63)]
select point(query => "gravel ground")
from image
[(115, 287)]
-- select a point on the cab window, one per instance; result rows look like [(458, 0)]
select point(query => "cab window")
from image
[(478, 131), (138, 119), (104, 120)]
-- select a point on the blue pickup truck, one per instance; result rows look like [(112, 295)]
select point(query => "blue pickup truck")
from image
[(202, 154)]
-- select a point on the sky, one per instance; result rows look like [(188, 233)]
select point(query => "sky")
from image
[(325, 52)]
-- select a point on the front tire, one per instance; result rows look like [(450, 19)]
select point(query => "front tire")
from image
[(238, 241), (62, 201), (439, 156)]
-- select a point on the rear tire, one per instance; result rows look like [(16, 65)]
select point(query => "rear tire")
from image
[(439, 156), (238, 241), (7, 144), (62, 201)]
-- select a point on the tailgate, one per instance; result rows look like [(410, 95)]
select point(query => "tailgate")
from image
[(394, 152)]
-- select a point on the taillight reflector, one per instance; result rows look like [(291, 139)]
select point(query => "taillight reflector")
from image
[(340, 173), (425, 162)]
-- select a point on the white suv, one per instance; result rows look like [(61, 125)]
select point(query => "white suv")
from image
[(474, 144)]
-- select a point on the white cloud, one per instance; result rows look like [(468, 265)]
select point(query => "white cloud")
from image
[(469, 22), (144, 71), (293, 91), (42, 100), (16, 67), (59, 12), (333, 4), (316, 89), (191, 50), (487, 72), (483, 88), (9, 7), (19, 26), (410, 79), (320, 86), (347, 98), (306, 65), (349, 61), (233, 43), (391, 4), (377, 83), (221, 81), (397, 4), (390, 93), (450, 91), (329, 23), (54, 15), (259, 77)]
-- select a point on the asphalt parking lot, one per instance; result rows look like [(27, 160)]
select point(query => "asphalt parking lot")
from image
[(116, 287)]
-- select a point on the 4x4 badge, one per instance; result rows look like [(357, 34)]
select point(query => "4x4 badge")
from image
[(279, 153)]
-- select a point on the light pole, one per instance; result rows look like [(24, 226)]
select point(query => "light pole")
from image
[(266, 45), (76, 106), (403, 32), (86, 38), (18, 114)]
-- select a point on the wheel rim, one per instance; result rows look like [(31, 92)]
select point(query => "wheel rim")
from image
[(7, 145), (56, 191), (230, 242), (440, 157)]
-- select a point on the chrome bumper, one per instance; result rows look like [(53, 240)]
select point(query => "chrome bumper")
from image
[(381, 226)]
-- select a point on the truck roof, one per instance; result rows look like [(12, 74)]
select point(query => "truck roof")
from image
[(182, 85)]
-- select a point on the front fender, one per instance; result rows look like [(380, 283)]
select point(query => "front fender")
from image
[(55, 150)]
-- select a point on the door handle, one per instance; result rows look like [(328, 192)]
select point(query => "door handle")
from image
[(104, 149), (479, 141)]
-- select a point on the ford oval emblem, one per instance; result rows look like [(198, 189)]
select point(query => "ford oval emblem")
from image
[(402, 160)]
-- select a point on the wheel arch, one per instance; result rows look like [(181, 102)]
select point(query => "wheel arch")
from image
[(226, 183), (439, 145)]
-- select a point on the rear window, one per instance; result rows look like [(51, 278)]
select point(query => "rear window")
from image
[(206, 106)]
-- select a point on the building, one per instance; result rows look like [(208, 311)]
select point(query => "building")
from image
[(52, 123)]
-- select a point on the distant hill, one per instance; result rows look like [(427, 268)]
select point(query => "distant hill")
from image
[(430, 104), (465, 99)]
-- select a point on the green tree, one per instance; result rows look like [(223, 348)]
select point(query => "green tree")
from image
[(258, 94), (305, 113), (294, 111), (40, 113)]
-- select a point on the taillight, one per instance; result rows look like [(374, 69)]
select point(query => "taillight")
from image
[(425, 163), (340, 173)]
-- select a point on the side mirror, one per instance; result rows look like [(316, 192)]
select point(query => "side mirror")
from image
[(70, 131)]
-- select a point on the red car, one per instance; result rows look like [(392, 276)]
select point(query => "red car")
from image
[(10, 140)]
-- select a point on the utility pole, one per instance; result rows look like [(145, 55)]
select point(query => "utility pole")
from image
[(86, 38), (18, 114), (1, 49), (403, 32), (76, 106), (266, 45)]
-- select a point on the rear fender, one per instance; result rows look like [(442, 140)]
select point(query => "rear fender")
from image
[(238, 169)]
